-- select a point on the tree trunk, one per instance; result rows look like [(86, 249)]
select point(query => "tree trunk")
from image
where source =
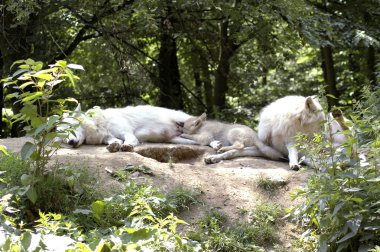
[(226, 50), (169, 83), (329, 75), (198, 90), (207, 87), (371, 66)]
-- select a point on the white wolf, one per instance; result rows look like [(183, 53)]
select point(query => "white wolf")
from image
[(230, 136), (124, 128), (284, 118), (281, 120)]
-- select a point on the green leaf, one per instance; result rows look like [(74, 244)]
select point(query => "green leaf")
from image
[(103, 246), (26, 240), (43, 76), (75, 66), (70, 99), (27, 150), (98, 208), (3, 149), (28, 83), (38, 66), (354, 227), (17, 62), (337, 208), (30, 61), (130, 230), (24, 66), (19, 72), (32, 194), (70, 181), (33, 96), (82, 247), (358, 200), (26, 179), (61, 63), (36, 121), (12, 95)]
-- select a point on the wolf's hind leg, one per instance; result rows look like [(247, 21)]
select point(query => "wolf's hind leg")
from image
[(246, 152), (236, 146)]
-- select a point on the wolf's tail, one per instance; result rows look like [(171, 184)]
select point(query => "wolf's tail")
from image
[(268, 151)]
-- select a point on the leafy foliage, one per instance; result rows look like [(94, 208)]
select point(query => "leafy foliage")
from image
[(123, 222), (341, 204), (216, 235), (40, 112)]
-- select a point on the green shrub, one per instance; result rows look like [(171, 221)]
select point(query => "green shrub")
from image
[(215, 235), (340, 209), (41, 113), (60, 189), (181, 198)]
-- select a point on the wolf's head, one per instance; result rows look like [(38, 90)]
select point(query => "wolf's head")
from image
[(191, 125), (72, 126), (337, 123), (312, 114)]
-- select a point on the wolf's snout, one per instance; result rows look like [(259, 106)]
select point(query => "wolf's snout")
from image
[(73, 142)]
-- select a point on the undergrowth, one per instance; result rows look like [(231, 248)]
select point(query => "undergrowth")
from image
[(341, 201)]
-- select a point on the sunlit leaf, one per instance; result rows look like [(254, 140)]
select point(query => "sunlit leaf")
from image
[(75, 66)]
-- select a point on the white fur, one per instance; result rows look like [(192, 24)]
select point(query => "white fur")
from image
[(225, 137), (284, 118), (124, 128)]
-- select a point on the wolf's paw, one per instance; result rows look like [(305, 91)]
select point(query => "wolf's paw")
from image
[(113, 147), (211, 160), (127, 147), (216, 145), (294, 167)]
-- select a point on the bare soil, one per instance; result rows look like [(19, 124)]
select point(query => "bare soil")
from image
[(229, 186)]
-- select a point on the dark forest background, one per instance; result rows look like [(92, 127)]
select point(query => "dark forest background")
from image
[(227, 58)]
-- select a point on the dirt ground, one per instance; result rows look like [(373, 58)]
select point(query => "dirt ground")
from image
[(229, 186)]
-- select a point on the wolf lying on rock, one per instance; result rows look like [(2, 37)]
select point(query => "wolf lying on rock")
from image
[(281, 121), (227, 136), (124, 128)]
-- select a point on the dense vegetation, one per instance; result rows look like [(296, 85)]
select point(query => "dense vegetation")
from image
[(228, 58)]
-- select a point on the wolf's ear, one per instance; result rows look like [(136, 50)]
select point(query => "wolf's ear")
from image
[(203, 117), (78, 108), (337, 113), (310, 104), (198, 121)]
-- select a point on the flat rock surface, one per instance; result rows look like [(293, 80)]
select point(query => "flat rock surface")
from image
[(229, 186)]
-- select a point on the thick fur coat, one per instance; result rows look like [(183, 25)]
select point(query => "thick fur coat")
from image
[(124, 128), (284, 118)]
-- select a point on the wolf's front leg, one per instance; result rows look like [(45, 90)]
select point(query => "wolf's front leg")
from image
[(246, 152), (181, 140), (201, 139), (113, 143), (293, 157), (130, 141)]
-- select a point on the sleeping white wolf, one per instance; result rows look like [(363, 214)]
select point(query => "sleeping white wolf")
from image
[(124, 128), (282, 120)]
